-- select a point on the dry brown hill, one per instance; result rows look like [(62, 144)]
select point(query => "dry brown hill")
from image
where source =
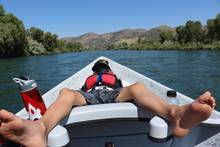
[(94, 40)]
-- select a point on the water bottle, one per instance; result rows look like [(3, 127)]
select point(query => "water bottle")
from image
[(32, 99), (171, 98)]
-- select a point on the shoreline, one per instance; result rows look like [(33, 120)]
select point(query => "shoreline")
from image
[(138, 49)]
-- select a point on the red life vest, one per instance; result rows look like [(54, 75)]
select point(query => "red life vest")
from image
[(108, 79)]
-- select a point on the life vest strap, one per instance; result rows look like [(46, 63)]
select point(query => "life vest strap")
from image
[(99, 78)]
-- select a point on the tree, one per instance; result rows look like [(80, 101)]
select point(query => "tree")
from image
[(36, 34), (35, 48), (2, 11), (12, 35), (73, 46), (193, 31), (166, 35), (122, 45), (217, 27), (198, 32), (211, 30), (181, 35), (50, 41), (67, 46)]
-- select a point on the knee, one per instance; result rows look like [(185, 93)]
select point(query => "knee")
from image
[(138, 87), (68, 94), (65, 91)]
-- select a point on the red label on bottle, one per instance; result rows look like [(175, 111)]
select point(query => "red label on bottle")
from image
[(34, 103)]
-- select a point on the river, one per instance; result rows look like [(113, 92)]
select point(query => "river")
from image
[(189, 72)]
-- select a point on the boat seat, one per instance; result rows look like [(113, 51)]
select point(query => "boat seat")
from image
[(106, 111), (59, 135)]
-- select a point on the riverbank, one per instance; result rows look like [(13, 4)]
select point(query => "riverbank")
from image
[(169, 46), (147, 46), (142, 47)]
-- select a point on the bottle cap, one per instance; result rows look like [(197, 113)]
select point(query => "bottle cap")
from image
[(25, 83), (171, 93)]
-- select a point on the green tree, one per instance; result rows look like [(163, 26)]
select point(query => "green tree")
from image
[(181, 35), (50, 41), (36, 34), (74, 46), (122, 45), (67, 46), (35, 48), (166, 35), (12, 35), (2, 11), (198, 31), (193, 31), (211, 30), (217, 27)]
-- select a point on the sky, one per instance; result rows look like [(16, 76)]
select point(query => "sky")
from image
[(75, 17)]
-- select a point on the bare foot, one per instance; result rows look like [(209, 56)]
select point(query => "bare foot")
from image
[(24, 132), (187, 116)]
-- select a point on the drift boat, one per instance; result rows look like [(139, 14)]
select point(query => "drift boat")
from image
[(123, 124)]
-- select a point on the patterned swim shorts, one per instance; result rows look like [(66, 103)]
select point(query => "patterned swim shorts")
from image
[(101, 96)]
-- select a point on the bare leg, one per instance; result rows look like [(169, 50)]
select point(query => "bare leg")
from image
[(63, 105), (146, 99), (179, 117), (34, 133)]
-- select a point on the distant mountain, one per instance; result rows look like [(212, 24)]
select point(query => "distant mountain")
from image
[(94, 40)]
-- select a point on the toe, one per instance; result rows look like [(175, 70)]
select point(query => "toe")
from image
[(212, 99), (205, 95), (6, 116), (206, 98)]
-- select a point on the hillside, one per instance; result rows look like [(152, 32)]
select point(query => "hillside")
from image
[(94, 40)]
